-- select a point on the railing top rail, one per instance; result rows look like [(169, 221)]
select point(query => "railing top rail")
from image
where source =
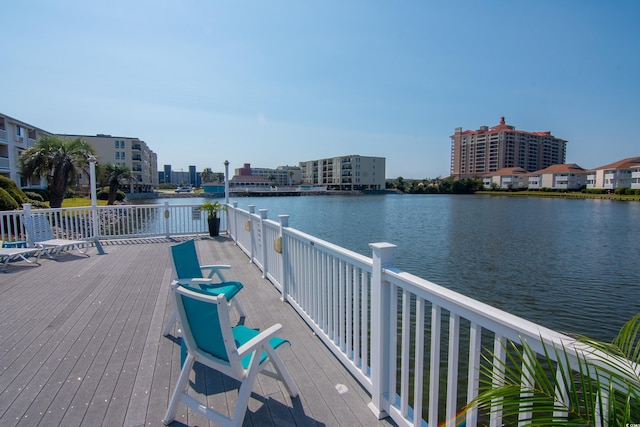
[(499, 321), (364, 261)]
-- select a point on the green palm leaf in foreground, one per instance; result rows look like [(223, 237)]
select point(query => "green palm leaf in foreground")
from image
[(582, 383)]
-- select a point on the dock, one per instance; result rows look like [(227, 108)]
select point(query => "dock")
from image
[(81, 345)]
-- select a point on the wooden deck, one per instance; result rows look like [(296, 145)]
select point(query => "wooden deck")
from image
[(81, 345)]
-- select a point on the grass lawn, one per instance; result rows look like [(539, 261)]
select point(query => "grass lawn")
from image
[(75, 202)]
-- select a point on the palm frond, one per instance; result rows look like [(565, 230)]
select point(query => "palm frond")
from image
[(583, 382)]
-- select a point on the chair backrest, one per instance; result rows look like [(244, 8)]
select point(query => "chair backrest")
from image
[(185, 260), (205, 324), (38, 228)]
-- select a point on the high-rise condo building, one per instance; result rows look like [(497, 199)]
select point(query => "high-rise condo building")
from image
[(351, 172), (488, 149)]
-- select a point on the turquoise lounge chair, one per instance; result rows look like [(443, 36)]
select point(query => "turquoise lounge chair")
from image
[(188, 272), (238, 352)]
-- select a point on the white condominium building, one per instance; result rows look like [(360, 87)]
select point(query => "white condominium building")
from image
[(130, 152), (15, 137), (624, 173), (351, 172)]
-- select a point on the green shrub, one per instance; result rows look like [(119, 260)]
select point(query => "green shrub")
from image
[(638, 192), (104, 195), (69, 193), (34, 197), (43, 192), (7, 202), (10, 187), (629, 192)]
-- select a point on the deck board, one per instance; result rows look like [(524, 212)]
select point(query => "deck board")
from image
[(81, 345)]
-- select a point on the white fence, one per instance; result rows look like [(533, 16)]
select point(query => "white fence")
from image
[(111, 222)]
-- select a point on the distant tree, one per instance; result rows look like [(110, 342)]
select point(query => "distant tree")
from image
[(114, 175), (207, 175), (59, 160)]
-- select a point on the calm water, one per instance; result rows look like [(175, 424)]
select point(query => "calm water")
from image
[(571, 265)]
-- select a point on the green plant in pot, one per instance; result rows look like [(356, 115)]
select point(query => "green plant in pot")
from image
[(212, 209)]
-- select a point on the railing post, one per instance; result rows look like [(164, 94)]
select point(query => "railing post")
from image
[(27, 214), (263, 216), (381, 299), (167, 231), (252, 210), (235, 222), (284, 255)]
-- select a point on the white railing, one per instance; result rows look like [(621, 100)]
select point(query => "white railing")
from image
[(113, 222), (414, 345)]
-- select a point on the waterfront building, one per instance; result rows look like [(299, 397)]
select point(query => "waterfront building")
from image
[(167, 173), (15, 137), (489, 149), (280, 176), (130, 152), (506, 179), (635, 176), (351, 172), (559, 177), (621, 174)]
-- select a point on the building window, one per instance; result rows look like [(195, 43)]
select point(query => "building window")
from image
[(122, 155), (117, 154)]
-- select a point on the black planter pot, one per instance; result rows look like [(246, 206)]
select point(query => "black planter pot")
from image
[(214, 226)]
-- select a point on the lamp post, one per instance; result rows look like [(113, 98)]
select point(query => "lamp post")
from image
[(92, 182), (94, 203), (226, 182)]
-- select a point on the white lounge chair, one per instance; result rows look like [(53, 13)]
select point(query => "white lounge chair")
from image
[(40, 234), (10, 254)]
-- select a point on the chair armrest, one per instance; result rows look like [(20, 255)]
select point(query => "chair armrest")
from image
[(193, 282), (216, 270), (258, 340)]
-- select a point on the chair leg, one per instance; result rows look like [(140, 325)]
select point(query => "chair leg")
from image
[(236, 304), (181, 387), (282, 371), (172, 320), (245, 389)]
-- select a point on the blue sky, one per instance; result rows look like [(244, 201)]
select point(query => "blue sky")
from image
[(277, 82)]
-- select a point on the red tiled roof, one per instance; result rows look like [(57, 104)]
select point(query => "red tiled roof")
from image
[(504, 127), (562, 168), (622, 164), (507, 171)]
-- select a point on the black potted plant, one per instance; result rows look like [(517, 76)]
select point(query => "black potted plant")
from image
[(212, 208)]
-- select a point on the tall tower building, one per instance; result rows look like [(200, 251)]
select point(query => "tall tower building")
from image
[(488, 149)]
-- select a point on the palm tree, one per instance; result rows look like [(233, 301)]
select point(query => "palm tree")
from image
[(59, 160), (115, 174), (207, 175), (601, 386)]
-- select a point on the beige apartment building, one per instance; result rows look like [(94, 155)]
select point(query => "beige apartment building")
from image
[(489, 149), (130, 152), (15, 137), (351, 172)]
